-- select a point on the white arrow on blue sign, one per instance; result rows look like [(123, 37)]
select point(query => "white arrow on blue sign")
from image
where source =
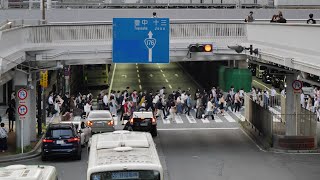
[(141, 40)]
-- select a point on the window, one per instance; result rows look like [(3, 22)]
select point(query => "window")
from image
[(57, 133), (99, 115), (127, 175)]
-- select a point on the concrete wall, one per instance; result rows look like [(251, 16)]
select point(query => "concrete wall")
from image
[(72, 15)]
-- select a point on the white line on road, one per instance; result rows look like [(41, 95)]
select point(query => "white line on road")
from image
[(159, 66), (163, 75), (115, 120), (111, 83), (137, 67), (138, 75), (161, 70), (166, 121), (139, 80), (178, 119), (229, 118), (167, 80), (137, 70), (195, 129), (170, 86), (217, 119), (191, 119), (140, 86), (176, 75), (206, 120)]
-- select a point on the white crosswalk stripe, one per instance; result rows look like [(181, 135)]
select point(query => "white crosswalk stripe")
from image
[(229, 118), (217, 119), (115, 120), (165, 121), (178, 119), (205, 120), (191, 119)]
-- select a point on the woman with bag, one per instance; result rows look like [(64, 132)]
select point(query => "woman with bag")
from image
[(222, 105)]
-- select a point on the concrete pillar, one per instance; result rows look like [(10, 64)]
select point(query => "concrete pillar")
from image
[(243, 64), (20, 82), (33, 107), (292, 105), (41, 4), (30, 4), (4, 4)]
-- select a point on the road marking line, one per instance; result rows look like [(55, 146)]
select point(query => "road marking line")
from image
[(159, 66), (170, 86), (263, 85), (166, 121), (111, 83), (139, 81), (178, 119), (192, 129), (176, 75), (161, 70), (138, 75), (137, 67), (137, 70), (140, 86), (167, 80), (217, 119), (206, 120), (163, 75), (191, 119), (229, 118)]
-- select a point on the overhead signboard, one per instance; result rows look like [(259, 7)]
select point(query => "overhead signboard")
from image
[(141, 40)]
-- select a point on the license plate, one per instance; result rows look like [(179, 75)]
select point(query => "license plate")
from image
[(125, 175), (144, 124), (60, 142), (99, 123)]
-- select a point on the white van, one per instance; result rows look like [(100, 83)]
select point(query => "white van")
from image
[(28, 172), (260, 70), (123, 155)]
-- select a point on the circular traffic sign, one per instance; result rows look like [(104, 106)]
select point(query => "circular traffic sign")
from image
[(22, 110), (297, 85), (22, 94)]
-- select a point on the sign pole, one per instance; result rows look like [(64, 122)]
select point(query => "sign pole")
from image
[(21, 123)]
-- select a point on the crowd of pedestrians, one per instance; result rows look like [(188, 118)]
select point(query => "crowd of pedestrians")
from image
[(311, 103), (205, 103)]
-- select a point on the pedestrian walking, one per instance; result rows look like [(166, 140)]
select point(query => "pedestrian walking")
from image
[(210, 108), (173, 110), (11, 116), (249, 18), (188, 104), (51, 105), (3, 138), (311, 20), (272, 97), (222, 105), (237, 102)]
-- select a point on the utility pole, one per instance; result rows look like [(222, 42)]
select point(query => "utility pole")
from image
[(39, 102), (43, 11)]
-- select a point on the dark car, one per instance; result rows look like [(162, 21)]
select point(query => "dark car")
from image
[(142, 121), (277, 81), (268, 74), (61, 140), (252, 68)]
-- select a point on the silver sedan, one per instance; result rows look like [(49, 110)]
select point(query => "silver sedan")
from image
[(100, 121)]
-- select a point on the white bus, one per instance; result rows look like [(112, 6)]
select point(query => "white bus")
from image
[(123, 155), (28, 172)]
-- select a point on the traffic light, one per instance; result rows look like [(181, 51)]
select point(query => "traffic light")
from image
[(238, 48), (200, 48)]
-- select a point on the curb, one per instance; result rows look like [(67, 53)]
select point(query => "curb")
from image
[(32, 154), (262, 145)]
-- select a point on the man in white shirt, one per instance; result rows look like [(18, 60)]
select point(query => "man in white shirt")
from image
[(302, 100), (273, 97), (105, 100), (51, 105), (210, 109)]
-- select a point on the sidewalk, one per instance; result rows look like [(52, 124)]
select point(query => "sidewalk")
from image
[(12, 149)]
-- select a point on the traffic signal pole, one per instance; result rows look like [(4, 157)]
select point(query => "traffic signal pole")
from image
[(39, 112)]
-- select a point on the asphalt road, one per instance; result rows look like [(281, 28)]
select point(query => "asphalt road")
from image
[(147, 77), (188, 151), (220, 154)]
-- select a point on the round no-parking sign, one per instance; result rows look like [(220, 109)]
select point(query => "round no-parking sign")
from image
[(22, 94), (22, 110), (297, 85)]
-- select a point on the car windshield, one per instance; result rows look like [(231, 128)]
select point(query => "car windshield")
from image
[(128, 175), (57, 133), (99, 115)]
